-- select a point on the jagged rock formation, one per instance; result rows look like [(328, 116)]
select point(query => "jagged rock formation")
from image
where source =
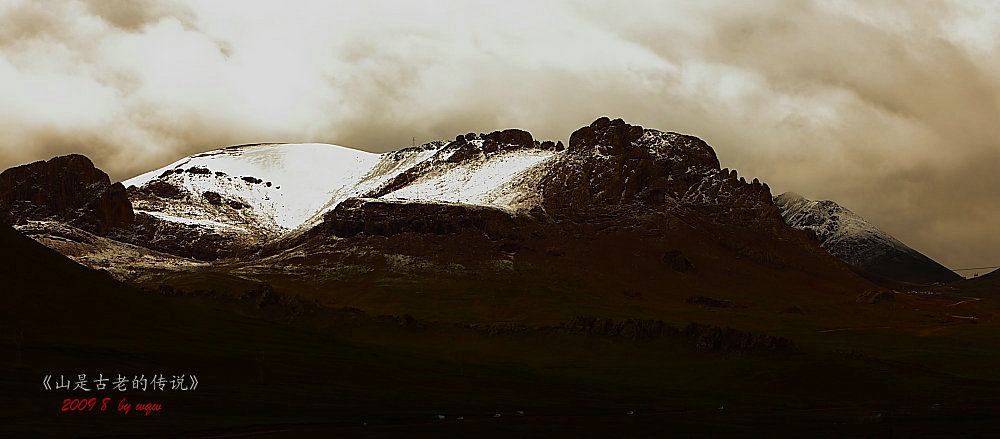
[(67, 189), (47, 198), (859, 243), (612, 163)]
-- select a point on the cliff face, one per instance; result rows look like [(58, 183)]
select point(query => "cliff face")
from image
[(611, 163), (68, 189)]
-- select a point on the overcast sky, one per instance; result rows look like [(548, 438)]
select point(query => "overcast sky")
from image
[(888, 107)]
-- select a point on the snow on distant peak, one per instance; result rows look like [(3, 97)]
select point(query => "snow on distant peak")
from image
[(789, 198), (859, 243), (833, 224)]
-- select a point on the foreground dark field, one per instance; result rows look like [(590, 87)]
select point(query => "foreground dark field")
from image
[(341, 373), (261, 378)]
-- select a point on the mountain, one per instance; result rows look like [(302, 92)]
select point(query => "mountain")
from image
[(226, 202), (549, 228), (259, 192), (624, 273), (859, 243)]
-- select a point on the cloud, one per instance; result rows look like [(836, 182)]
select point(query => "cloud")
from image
[(886, 107), (134, 15)]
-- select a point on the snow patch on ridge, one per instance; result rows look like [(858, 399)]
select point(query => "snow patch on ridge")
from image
[(486, 182), (271, 189), (389, 165), (192, 221), (303, 178)]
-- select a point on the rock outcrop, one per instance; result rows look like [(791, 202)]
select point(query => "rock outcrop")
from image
[(613, 164), (71, 190), (68, 189)]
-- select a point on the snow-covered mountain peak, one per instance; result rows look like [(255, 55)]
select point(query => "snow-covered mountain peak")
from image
[(858, 242), (274, 184), (833, 223), (270, 189)]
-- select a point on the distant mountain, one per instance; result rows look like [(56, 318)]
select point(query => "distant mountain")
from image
[(859, 243)]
